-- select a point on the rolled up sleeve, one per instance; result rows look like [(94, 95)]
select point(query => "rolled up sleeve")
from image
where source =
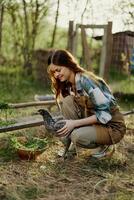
[(102, 105), (103, 116)]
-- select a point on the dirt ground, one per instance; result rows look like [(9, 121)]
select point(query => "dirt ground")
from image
[(79, 178)]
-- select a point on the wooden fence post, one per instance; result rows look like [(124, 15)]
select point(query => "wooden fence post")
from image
[(70, 37), (106, 52), (75, 40), (109, 51), (86, 50), (103, 53)]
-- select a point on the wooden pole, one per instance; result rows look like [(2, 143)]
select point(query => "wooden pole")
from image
[(70, 37), (75, 40), (92, 26), (103, 53), (86, 50), (109, 44), (28, 122), (34, 121), (29, 104), (106, 52), (21, 125)]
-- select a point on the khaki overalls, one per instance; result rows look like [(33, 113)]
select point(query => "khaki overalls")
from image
[(98, 134)]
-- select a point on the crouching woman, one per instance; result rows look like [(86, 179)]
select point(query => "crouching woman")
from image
[(90, 110)]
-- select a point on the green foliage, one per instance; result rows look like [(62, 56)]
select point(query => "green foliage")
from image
[(22, 35), (116, 75), (6, 153), (31, 192), (4, 106), (31, 144), (7, 123), (5, 112), (14, 87), (121, 82)]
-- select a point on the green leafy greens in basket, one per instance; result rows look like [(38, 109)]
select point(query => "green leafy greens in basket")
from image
[(31, 144)]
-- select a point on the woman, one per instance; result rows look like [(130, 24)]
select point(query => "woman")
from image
[(91, 112)]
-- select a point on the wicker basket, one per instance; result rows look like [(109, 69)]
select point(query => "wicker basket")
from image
[(28, 153)]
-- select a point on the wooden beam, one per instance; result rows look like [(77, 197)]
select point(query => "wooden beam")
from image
[(22, 125), (26, 122), (75, 41), (33, 121), (103, 53), (128, 112), (70, 37), (91, 26), (109, 44), (106, 52), (34, 103), (86, 50)]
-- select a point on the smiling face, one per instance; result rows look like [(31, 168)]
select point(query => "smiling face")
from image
[(62, 70), (62, 73)]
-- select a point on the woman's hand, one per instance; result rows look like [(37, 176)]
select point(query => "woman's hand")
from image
[(65, 131), (71, 124)]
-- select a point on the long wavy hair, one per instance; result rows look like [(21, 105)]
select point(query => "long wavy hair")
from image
[(64, 58)]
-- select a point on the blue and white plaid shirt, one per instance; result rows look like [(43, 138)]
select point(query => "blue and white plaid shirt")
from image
[(100, 96)]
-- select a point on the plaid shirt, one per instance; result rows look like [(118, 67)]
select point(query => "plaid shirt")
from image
[(104, 100)]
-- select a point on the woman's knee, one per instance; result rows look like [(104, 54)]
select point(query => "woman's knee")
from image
[(84, 136), (78, 138)]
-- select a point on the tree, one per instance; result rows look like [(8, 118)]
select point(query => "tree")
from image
[(13, 10), (21, 27), (1, 22), (126, 9), (55, 25), (84, 11), (33, 13)]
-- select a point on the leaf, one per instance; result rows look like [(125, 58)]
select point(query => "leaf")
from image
[(31, 144)]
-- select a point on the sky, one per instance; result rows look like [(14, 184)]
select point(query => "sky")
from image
[(98, 12), (101, 11)]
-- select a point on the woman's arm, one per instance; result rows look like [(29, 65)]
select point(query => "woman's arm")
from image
[(72, 124), (85, 121)]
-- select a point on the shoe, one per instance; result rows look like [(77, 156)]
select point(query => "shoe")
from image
[(105, 152), (61, 153)]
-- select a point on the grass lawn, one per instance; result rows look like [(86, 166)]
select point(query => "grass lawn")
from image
[(49, 177), (82, 177)]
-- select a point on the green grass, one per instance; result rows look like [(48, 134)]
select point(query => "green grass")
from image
[(121, 82), (7, 153), (51, 178), (15, 87), (125, 85)]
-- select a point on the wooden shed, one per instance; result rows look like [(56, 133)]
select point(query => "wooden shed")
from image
[(123, 44)]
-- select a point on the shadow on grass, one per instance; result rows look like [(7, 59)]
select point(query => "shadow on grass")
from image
[(8, 154), (110, 165), (87, 166)]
